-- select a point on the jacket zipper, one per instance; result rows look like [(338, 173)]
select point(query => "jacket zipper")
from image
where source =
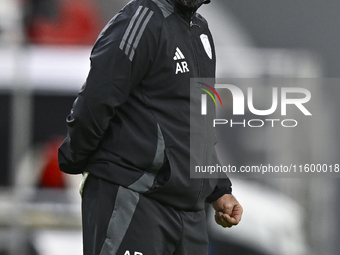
[(191, 26)]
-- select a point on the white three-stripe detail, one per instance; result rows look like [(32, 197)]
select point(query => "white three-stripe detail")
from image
[(134, 31), (178, 54)]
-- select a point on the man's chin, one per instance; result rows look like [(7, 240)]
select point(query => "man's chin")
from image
[(191, 3)]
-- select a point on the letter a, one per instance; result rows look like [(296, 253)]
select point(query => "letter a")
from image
[(127, 252), (178, 68)]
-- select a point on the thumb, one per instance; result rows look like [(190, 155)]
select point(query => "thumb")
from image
[(230, 219)]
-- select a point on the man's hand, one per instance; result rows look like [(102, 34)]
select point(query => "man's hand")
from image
[(228, 211)]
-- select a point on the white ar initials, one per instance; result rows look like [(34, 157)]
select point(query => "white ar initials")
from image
[(182, 67), (135, 253)]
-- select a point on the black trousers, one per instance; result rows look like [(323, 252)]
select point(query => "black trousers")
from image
[(120, 221)]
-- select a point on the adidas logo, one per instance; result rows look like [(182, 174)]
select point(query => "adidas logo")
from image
[(178, 54), (181, 67)]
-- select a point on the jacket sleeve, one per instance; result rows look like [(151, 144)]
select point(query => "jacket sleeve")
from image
[(223, 187), (120, 59)]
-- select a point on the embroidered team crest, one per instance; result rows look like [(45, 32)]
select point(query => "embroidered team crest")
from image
[(206, 45)]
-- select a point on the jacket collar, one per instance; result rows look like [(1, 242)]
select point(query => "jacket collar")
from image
[(184, 11)]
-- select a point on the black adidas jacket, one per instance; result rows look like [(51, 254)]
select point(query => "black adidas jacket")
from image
[(130, 121)]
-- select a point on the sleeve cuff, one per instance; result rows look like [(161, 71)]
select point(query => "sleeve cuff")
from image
[(217, 194), (67, 167)]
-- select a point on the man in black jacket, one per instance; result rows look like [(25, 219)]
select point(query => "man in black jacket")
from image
[(129, 132)]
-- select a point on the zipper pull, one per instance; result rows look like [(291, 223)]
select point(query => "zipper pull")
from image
[(193, 25)]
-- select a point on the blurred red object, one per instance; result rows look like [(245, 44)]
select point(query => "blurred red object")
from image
[(77, 23), (51, 176)]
